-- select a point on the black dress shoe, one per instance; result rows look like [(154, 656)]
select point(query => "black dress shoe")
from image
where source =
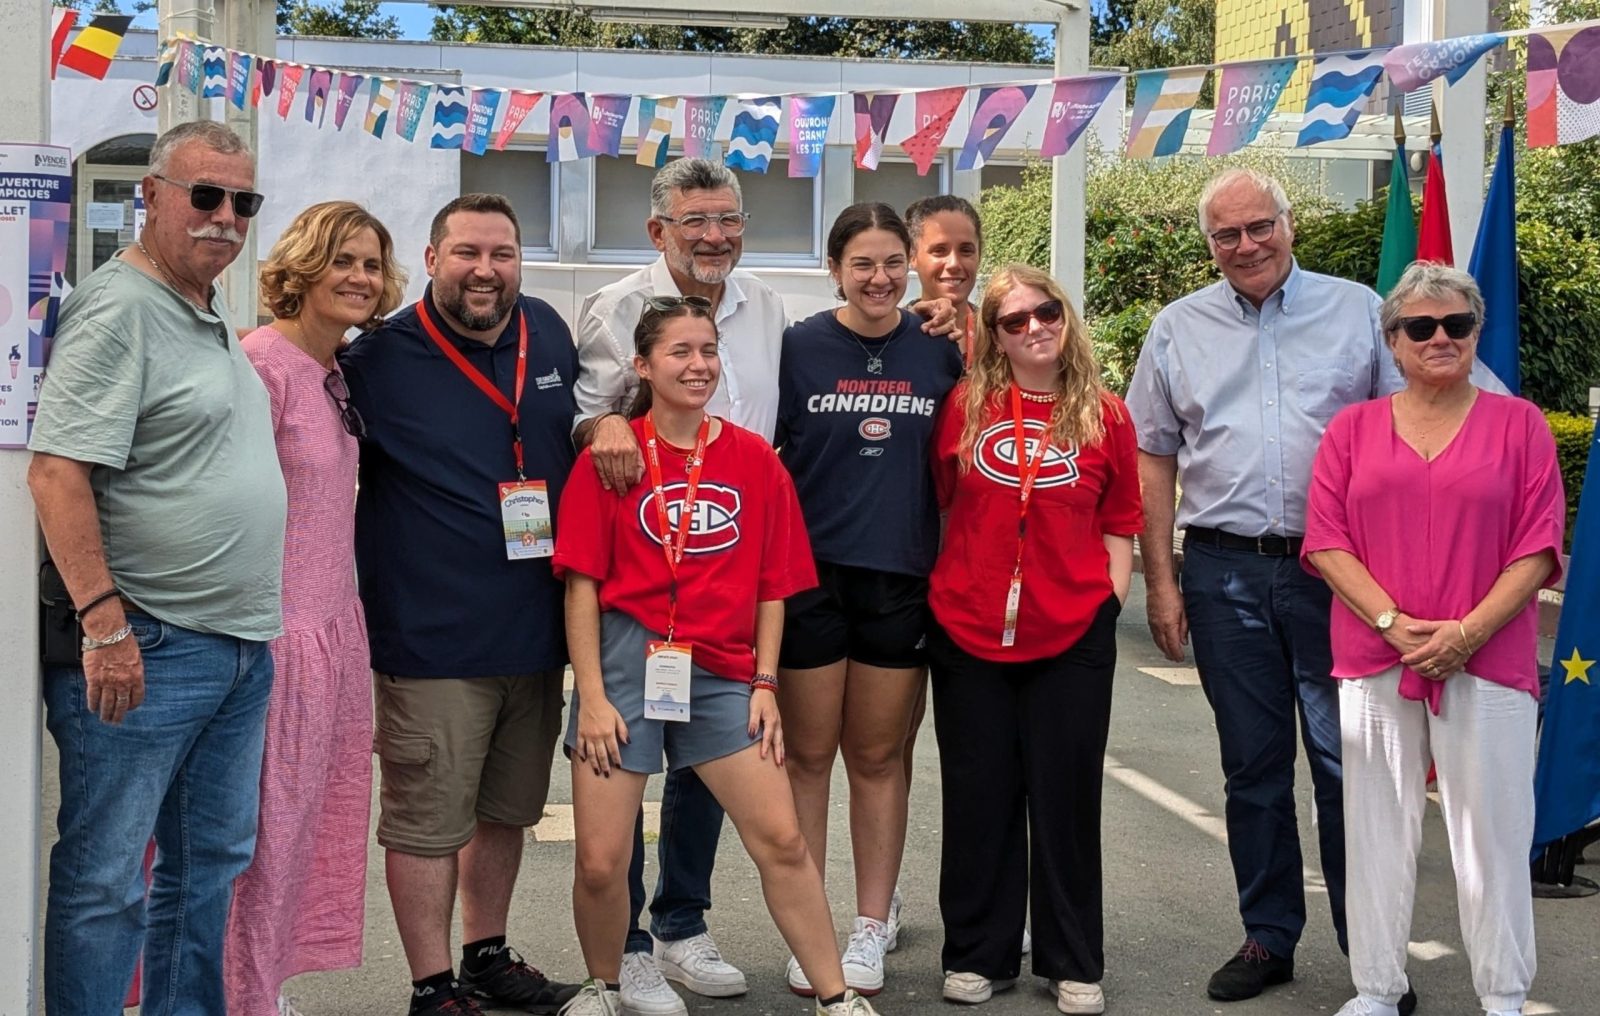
[(1408, 1002), (1251, 970)]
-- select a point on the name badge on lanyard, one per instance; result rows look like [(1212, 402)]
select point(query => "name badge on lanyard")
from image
[(1027, 472), (668, 665), (524, 504)]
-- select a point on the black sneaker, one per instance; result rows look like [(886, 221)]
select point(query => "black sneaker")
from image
[(1251, 970), (509, 983), (453, 1000), (1408, 1002)]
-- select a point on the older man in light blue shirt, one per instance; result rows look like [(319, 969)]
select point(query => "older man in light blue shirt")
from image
[(1234, 387)]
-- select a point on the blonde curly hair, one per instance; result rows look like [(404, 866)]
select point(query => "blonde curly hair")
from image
[(306, 250)]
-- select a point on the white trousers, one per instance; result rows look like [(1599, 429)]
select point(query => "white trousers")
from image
[(1482, 743)]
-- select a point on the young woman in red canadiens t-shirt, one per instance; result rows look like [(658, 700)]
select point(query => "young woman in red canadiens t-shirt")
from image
[(1035, 463), (697, 556)]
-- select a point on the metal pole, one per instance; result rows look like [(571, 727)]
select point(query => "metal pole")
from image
[(1069, 174)]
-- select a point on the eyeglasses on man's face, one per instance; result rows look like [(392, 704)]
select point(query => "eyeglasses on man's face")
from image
[(1259, 231), (695, 227)]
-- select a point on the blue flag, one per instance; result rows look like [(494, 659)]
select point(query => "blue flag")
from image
[(1494, 266), (1566, 784)]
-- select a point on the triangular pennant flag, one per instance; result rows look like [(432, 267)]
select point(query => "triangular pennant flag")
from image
[(449, 118), (809, 117), (608, 115), (289, 78), (409, 106), (1072, 108), (517, 109), (1563, 102), (1414, 65), (1340, 83), (93, 49), (701, 114), (318, 85), (61, 21), (238, 78), (936, 110), (169, 59), (873, 113), (997, 109), (189, 66), (1246, 97), (380, 98), (265, 80), (1162, 102), (755, 131), (655, 131), (569, 128), (480, 118), (349, 85), (214, 73)]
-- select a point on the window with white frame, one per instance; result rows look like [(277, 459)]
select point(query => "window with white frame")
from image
[(523, 175), (897, 184)]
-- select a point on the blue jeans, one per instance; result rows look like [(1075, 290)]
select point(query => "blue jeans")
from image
[(691, 824), (186, 767), (1259, 626)]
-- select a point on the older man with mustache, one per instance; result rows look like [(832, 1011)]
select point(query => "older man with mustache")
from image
[(158, 488)]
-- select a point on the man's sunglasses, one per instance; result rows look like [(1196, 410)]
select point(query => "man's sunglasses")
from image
[(1047, 313), (1423, 328), (334, 385), (667, 304), (207, 197)]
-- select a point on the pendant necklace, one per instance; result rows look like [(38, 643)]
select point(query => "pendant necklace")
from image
[(874, 360), (164, 276)]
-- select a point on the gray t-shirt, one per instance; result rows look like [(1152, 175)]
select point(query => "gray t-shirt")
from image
[(158, 396)]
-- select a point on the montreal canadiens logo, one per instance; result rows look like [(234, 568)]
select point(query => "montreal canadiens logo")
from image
[(874, 428), (996, 456), (715, 525)]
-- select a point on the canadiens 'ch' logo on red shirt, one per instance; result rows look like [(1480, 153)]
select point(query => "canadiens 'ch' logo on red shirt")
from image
[(995, 455), (715, 525)]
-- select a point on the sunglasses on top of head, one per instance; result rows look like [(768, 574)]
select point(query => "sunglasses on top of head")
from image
[(207, 197), (1422, 328), (1047, 313)]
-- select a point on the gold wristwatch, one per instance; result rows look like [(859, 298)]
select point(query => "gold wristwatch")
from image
[(1387, 619)]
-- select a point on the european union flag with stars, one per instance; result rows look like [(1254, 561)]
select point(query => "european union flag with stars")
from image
[(1567, 782)]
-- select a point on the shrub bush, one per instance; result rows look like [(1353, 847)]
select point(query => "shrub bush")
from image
[(1560, 355), (1574, 435)]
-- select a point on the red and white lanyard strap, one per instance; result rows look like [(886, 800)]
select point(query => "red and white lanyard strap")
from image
[(672, 543), (512, 406), (1027, 473)]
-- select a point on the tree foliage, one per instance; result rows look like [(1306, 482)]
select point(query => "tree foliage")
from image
[(1148, 34), (356, 19)]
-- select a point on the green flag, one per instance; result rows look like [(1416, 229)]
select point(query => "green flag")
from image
[(1399, 227)]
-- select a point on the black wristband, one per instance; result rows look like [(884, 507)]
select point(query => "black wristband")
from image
[(103, 597)]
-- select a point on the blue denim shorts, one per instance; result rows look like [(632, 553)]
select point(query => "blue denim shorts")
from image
[(719, 708)]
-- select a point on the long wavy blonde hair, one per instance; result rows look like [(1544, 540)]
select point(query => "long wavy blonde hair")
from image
[(1077, 417)]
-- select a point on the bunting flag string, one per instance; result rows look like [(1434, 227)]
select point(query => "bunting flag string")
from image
[(1563, 87), (569, 128), (288, 87), (518, 107), (608, 115), (1072, 108), (189, 66), (809, 117), (380, 98), (1246, 99), (1415, 64), (997, 110), (239, 65), (1339, 85), (936, 111), (480, 118), (318, 85), (1162, 102), (873, 113), (755, 130), (655, 131), (349, 85), (449, 118), (409, 105), (701, 114)]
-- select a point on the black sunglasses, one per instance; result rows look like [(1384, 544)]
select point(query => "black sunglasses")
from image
[(1422, 328), (662, 304), (354, 425), (1047, 313), (207, 197)]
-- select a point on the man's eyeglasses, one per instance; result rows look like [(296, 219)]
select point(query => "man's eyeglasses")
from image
[(863, 270), (1422, 328), (1259, 231), (207, 197), (695, 227), (1047, 313), (334, 385)]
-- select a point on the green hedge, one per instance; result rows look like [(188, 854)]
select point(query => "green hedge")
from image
[(1574, 434)]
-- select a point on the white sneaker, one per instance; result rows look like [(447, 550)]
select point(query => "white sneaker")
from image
[(863, 956), (897, 905), (1027, 942), (697, 964), (1362, 1005), (971, 989), (798, 982), (592, 1000), (644, 991), (1080, 998), (853, 1005)]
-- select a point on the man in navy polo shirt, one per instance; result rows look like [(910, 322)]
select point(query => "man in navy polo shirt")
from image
[(467, 400)]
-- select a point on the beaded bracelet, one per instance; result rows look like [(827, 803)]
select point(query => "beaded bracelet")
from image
[(767, 681)]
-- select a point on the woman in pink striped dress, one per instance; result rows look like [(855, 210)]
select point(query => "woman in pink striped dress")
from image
[(301, 905)]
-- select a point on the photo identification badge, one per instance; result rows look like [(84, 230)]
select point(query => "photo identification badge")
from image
[(667, 667), (525, 518)]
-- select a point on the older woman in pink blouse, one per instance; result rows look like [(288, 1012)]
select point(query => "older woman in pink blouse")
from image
[(1435, 515)]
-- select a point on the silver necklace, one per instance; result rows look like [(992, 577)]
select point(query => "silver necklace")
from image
[(874, 360), (164, 276)]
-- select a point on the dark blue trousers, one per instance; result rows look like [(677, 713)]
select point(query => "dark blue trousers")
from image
[(1259, 627), (691, 824)]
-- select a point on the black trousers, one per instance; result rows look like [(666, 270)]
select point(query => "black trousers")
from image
[(1021, 752)]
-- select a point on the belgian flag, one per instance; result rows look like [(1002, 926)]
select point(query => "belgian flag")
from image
[(91, 52)]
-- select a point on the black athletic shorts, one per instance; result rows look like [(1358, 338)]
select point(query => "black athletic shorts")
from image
[(874, 617)]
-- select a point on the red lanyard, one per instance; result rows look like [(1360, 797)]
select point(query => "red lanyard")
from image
[(672, 544), (1027, 468), (513, 406)]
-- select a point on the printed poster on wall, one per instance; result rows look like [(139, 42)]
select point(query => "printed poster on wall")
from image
[(35, 210)]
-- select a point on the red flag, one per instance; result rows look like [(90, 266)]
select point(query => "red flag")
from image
[(62, 20), (1433, 237)]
